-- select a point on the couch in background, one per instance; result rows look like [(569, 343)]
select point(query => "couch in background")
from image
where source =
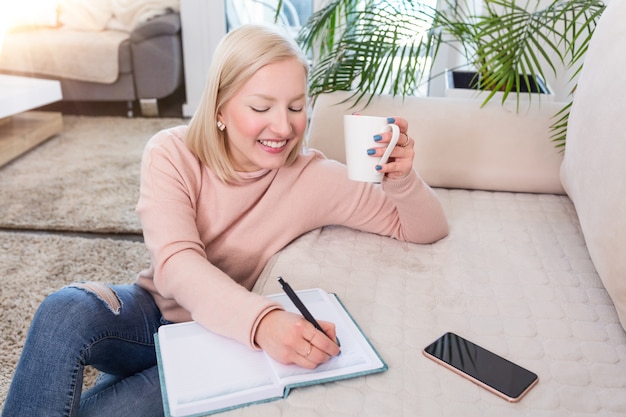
[(132, 53), (533, 268)]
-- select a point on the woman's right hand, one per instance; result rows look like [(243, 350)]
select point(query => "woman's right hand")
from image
[(290, 339)]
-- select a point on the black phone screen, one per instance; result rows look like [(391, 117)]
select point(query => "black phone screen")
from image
[(484, 366)]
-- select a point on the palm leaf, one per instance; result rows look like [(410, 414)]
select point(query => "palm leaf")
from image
[(376, 49), (373, 47)]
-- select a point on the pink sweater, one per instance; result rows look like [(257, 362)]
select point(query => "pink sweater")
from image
[(209, 240)]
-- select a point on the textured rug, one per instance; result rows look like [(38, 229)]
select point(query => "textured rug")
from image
[(86, 179), (32, 265)]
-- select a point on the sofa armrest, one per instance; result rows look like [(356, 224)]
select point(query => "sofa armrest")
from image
[(458, 144), (157, 57), (164, 25)]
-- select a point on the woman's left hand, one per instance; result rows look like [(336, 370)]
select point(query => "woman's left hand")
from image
[(400, 161)]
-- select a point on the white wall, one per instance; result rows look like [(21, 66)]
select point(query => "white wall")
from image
[(203, 25)]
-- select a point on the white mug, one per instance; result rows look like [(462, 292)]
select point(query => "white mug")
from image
[(359, 134)]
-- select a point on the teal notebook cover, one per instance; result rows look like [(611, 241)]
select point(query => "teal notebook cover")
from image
[(208, 387)]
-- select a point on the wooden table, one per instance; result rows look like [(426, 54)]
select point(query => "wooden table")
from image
[(21, 129)]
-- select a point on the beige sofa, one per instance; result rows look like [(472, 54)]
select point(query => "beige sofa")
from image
[(528, 271), (114, 50)]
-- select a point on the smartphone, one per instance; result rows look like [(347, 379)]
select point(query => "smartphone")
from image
[(498, 375)]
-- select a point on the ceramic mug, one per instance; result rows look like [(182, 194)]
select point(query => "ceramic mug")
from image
[(359, 132)]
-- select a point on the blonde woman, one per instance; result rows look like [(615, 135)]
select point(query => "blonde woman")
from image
[(218, 198)]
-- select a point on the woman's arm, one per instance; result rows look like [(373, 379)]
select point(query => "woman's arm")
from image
[(184, 282), (406, 209)]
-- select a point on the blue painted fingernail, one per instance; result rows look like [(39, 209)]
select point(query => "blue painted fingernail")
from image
[(377, 138), (371, 151), (390, 120), (378, 167)]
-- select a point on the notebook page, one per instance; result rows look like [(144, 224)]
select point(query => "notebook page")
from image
[(229, 369)]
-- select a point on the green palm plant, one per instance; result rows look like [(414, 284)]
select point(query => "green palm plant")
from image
[(369, 46), (388, 47)]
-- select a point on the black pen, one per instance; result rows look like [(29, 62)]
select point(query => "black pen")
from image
[(300, 306)]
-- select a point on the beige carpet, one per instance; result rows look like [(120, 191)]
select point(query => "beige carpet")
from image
[(84, 180), (34, 265)]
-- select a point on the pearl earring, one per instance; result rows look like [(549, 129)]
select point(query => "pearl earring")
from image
[(221, 126)]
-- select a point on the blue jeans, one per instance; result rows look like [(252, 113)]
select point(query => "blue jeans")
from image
[(108, 327)]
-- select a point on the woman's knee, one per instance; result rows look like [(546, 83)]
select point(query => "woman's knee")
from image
[(80, 300), (104, 293), (90, 312)]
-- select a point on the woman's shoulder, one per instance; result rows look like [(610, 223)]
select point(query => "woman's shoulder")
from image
[(313, 165), (173, 137), (167, 150), (169, 144), (313, 158), (317, 164)]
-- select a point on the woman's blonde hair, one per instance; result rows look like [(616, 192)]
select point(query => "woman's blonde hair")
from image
[(240, 54)]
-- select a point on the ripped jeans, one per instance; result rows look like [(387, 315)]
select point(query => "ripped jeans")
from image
[(108, 327)]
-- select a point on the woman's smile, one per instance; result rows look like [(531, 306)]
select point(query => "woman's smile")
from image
[(273, 146)]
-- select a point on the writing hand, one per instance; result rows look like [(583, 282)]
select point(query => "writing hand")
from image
[(289, 339)]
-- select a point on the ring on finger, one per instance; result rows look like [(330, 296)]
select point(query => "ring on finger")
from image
[(405, 144), (310, 345)]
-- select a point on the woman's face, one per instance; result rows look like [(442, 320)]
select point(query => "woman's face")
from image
[(266, 118)]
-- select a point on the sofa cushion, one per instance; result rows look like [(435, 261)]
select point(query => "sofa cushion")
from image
[(593, 171), (85, 14), (458, 144)]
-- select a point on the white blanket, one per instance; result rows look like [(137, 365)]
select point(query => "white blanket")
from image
[(64, 53), (97, 15), (90, 15), (129, 13), (514, 276)]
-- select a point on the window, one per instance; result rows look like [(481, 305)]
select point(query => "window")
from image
[(294, 13)]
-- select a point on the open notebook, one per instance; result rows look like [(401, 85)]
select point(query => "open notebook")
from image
[(204, 373)]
